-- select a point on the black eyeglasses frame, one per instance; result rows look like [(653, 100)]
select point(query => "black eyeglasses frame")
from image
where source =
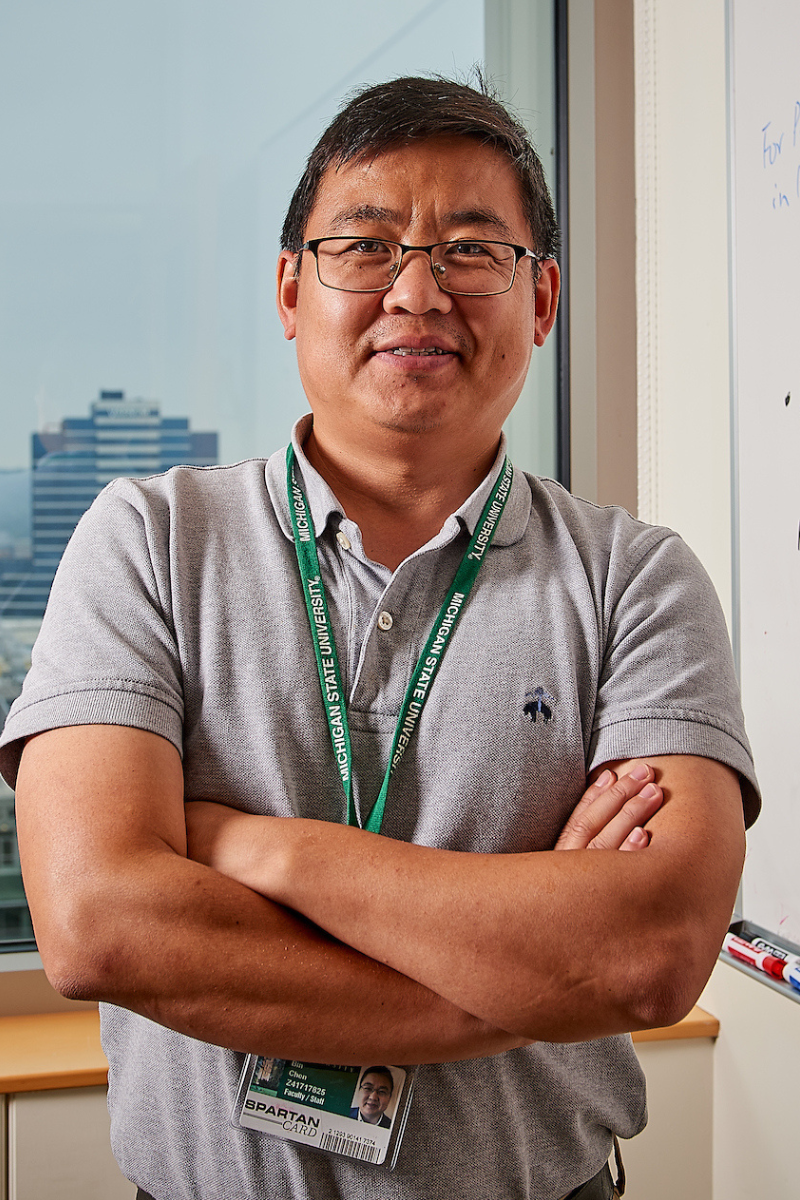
[(520, 252)]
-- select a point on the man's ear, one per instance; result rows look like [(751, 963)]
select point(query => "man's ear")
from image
[(287, 292), (548, 287)]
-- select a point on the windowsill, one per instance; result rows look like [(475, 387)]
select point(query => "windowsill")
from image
[(698, 1024), (62, 1050), (20, 960), (51, 1050)]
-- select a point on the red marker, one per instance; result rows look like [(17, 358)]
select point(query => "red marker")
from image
[(761, 959)]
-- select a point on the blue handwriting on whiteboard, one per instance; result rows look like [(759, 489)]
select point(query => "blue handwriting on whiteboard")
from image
[(771, 150), (780, 160)]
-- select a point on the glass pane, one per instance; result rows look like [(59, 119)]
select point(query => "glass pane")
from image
[(149, 151), (520, 58)]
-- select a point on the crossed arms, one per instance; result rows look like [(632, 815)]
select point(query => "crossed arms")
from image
[(302, 939)]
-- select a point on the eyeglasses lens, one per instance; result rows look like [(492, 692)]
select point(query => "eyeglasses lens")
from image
[(369, 265)]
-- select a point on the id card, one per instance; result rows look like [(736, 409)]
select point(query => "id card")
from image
[(359, 1112)]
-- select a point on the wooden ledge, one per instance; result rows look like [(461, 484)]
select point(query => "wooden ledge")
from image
[(698, 1024), (51, 1050), (62, 1050)]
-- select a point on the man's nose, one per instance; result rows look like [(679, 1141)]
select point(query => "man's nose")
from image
[(415, 290)]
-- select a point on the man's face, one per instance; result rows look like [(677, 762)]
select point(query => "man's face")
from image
[(374, 1094), (441, 189)]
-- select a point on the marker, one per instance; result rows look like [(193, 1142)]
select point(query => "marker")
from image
[(770, 964), (793, 977), (791, 960)]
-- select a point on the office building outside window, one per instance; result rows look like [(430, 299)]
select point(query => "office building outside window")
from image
[(73, 463)]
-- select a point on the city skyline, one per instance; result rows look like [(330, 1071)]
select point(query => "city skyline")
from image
[(72, 463)]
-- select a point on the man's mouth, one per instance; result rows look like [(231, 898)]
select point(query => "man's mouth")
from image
[(404, 350)]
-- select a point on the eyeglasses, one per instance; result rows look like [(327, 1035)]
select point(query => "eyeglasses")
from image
[(368, 1090), (463, 268)]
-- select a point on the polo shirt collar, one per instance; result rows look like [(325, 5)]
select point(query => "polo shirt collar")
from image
[(324, 506)]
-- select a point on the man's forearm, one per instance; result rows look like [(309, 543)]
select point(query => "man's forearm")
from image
[(211, 959), (122, 915), (497, 931), (552, 946)]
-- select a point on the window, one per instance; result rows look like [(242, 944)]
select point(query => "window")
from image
[(149, 151)]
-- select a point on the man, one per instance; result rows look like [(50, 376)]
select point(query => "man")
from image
[(481, 921), (374, 1094)]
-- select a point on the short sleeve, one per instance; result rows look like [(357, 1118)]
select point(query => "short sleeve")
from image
[(667, 683), (106, 652)]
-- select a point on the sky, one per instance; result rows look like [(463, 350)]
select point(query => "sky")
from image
[(148, 153)]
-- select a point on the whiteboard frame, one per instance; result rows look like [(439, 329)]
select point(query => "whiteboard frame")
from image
[(736, 565)]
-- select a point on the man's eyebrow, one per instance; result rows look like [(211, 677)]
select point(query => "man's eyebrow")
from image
[(481, 216), (485, 217), (365, 212)]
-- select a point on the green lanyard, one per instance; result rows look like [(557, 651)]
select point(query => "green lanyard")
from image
[(325, 648)]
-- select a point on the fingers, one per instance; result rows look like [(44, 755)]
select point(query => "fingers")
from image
[(613, 811), (637, 839), (636, 811)]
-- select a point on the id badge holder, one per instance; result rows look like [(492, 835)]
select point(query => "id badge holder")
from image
[(357, 1112)]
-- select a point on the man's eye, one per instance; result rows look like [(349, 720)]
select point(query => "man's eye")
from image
[(366, 246), (468, 249)]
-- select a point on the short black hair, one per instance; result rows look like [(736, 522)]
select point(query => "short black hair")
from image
[(413, 108)]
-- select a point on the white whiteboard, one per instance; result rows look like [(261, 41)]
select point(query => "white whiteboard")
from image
[(764, 56)]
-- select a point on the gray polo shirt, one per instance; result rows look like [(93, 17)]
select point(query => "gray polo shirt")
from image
[(588, 637)]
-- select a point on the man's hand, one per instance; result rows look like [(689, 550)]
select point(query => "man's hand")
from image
[(551, 946), (613, 812), (611, 815)]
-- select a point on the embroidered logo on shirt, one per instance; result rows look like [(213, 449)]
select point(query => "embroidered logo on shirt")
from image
[(540, 704)]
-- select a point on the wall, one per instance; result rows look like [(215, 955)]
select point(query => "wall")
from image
[(602, 238), (679, 1105), (755, 1101), (684, 481), (680, 414), (682, 275)]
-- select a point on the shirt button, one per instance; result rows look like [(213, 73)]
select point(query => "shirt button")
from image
[(343, 540), (385, 621)]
